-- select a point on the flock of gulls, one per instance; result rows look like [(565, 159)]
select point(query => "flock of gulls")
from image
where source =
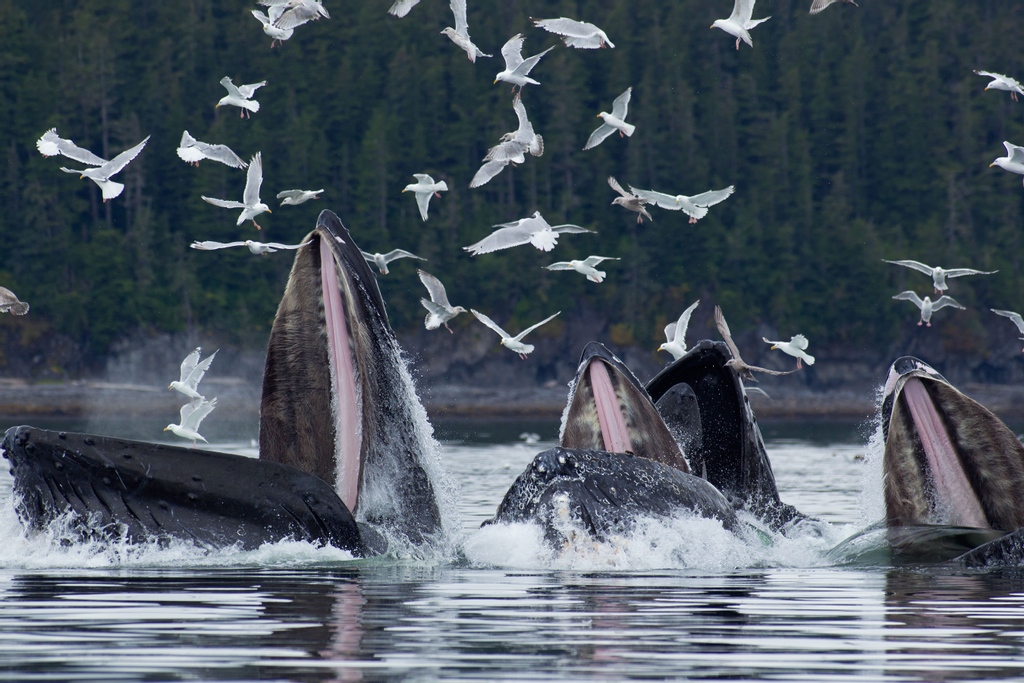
[(279, 22)]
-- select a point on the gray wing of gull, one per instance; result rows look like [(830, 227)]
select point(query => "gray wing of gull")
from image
[(221, 153), (491, 324), (435, 289), (278, 245), (210, 245), (560, 265), (68, 149), (621, 104), (723, 329), (1013, 316), (944, 301), (594, 260), (599, 135), (486, 172), (402, 7), (957, 272), (524, 133), (712, 197), (458, 8), (191, 416), (618, 188), (683, 323), (1015, 152), (253, 180), (231, 87), (9, 302), (505, 152), (189, 363), (400, 253), (912, 296), (526, 66), (116, 164), (531, 328), (247, 91), (503, 238), (564, 26), (223, 203), (916, 265), (512, 51), (423, 202), (742, 11), (665, 201)]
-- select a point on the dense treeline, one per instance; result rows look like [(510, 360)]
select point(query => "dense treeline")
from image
[(852, 136)]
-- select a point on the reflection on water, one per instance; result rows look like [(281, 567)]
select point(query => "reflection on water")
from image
[(295, 612)]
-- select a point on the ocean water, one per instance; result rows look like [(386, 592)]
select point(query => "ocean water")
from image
[(680, 599)]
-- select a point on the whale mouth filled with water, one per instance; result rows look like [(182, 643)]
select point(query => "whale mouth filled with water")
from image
[(948, 460)]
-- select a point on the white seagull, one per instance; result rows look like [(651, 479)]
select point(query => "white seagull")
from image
[(402, 7), (253, 246), (1001, 82), (675, 333), (51, 144), (508, 341), (250, 205), (1013, 161), (277, 35), (460, 34), (439, 311), (101, 174), (296, 197), (382, 260), (630, 201), (586, 267), (939, 274), (736, 363), (616, 121), (1015, 317), (424, 188), (294, 13), (927, 306), (517, 69), (819, 5), (580, 34), (512, 149), (193, 151), (190, 418), (10, 303), (740, 22), (240, 96), (532, 230), (192, 371), (796, 347), (696, 207)]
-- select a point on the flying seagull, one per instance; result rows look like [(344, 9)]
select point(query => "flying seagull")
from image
[(939, 274), (586, 267), (192, 371), (382, 260), (1001, 82), (517, 69), (189, 420), (402, 7), (296, 197), (277, 35), (696, 207), (675, 333), (51, 144), (927, 306), (508, 341), (740, 22), (101, 174), (294, 13), (193, 151), (630, 201), (512, 148), (736, 363), (579, 34), (819, 5), (423, 188), (10, 303), (250, 205), (1013, 161), (532, 230), (460, 34), (253, 246), (1015, 317), (240, 96), (796, 347), (439, 311), (616, 121)]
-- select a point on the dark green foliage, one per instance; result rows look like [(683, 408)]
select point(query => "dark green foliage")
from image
[(852, 136)]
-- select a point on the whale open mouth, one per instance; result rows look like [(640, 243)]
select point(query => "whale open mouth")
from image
[(316, 403), (948, 460), (609, 410)]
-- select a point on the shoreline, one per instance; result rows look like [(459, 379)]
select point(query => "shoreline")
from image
[(238, 398)]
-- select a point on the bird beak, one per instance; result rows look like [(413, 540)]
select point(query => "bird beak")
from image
[(495, 80), (214, 106), (408, 190), (774, 346), (269, 211), (165, 429), (168, 386), (990, 166), (598, 116)]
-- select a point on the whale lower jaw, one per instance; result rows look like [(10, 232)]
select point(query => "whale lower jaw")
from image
[(948, 460)]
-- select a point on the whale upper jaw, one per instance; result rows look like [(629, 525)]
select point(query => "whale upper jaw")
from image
[(948, 460)]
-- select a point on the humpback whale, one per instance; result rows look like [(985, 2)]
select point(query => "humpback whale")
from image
[(344, 450), (952, 473)]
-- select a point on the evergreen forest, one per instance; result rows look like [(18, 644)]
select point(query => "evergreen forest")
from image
[(852, 136)]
